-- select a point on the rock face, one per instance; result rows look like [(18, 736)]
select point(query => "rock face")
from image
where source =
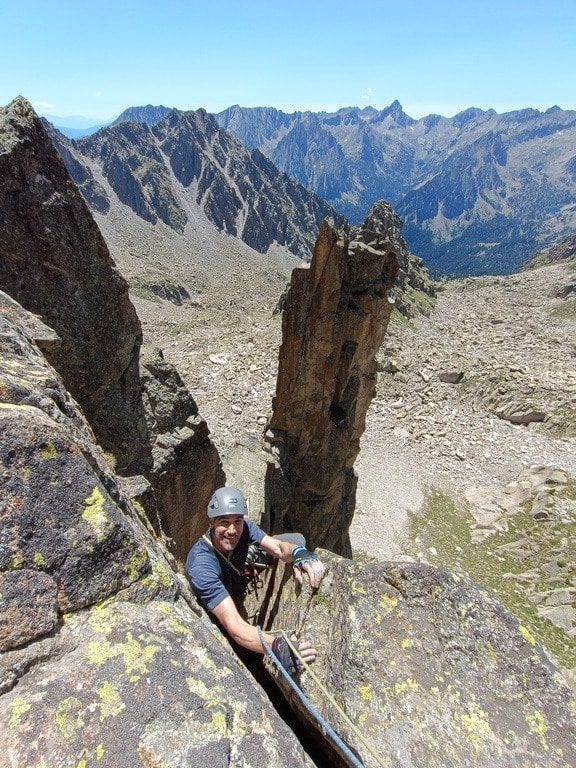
[(56, 263), (334, 320), (563, 251), (187, 466), (414, 291), (162, 163), (106, 659), (430, 668)]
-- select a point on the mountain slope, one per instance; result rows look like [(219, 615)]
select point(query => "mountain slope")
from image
[(187, 161)]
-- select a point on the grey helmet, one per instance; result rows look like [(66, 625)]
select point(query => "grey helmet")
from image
[(227, 501)]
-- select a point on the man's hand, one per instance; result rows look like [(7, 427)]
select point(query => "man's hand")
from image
[(288, 659), (307, 562)]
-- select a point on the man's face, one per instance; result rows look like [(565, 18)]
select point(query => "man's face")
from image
[(226, 532)]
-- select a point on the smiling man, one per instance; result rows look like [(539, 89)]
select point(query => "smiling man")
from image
[(216, 569)]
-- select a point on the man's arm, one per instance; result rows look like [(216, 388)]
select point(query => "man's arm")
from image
[(280, 549), (283, 550), (239, 630), (247, 636)]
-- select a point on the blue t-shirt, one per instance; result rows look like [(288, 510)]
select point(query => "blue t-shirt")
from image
[(211, 578)]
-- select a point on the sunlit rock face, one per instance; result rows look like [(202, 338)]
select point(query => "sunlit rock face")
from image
[(431, 669), (335, 317), (54, 261), (106, 658)]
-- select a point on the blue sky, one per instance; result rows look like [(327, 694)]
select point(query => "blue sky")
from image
[(95, 59)]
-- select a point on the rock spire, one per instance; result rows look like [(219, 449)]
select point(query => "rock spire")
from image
[(335, 317)]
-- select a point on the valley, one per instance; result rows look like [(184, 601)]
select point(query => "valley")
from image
[(442, 478)]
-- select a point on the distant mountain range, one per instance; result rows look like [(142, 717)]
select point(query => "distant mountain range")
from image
[(479, 192)]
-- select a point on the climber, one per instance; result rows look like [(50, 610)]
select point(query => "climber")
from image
[(216, 569)]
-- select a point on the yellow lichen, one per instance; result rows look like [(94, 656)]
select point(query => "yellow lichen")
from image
[(26, 472), (66, 720), (362, 718), (159, 577), (405, 686), (137, 561), (102, 619), (406, 643), (100, 652), (50, 452), (110, 702), (39, 559), (137, 656), (527, 635), (17, 561), (476, 726), (538, 725), (100, 751), (200, 689), (365, 692), (388, 603), (18, 708), (94, 512), (176, 626), (219, 723), (490, 652)]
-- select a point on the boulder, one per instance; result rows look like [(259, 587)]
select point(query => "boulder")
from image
[(451, 377)]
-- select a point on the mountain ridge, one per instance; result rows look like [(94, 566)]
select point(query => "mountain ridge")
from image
[(369, 154), (186, 159)]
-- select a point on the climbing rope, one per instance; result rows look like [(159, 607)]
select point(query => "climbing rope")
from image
[(313, 710)]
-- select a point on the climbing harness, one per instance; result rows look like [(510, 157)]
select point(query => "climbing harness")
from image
[(324, 726), (253, 565)]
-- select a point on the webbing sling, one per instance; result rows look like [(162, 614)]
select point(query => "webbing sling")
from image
[(222, 557)]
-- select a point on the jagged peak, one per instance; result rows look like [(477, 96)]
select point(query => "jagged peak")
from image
[(397, 114)]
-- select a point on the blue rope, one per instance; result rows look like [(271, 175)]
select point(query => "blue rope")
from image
[(311, 708)]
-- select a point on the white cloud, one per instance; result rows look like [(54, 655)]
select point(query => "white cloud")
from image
[(42, 105), (366, 96), (98, 94)]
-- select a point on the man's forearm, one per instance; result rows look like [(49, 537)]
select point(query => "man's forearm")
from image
[(239, 630)]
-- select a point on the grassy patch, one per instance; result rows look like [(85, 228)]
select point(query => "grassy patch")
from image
[(566, 310), (397, 318), (442, 525)]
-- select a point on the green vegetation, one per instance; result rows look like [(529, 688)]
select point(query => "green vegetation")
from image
[(566, 310), (442, 525), (397, 318)]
